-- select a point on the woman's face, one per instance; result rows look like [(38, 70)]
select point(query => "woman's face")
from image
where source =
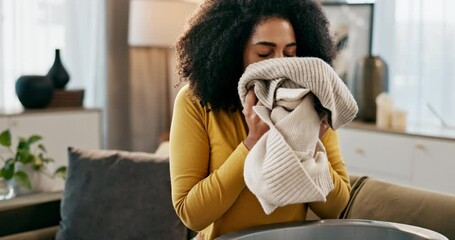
[(272, 38)]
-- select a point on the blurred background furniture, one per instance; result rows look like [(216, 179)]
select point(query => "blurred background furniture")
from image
[(37, 214), (418, 156)]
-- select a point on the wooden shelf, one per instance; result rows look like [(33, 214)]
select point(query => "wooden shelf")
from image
[(29, 200), (16, 112)]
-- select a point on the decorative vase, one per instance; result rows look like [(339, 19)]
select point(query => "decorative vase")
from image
[(6, 189), (34, 91), (39, 181), (58, 74), (371, 79)]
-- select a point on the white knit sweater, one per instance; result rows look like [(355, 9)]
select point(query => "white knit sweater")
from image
[(289, 164)]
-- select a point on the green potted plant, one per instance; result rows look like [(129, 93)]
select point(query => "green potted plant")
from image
[(29, 157)]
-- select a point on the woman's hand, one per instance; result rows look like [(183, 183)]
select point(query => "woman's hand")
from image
[(256, 127), (323, 128)]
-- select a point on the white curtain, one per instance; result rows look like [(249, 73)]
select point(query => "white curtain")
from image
[(30, 31), (86, 48), (417, 40)]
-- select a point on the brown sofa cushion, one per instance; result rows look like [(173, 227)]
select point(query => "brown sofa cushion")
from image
[(378, 200)]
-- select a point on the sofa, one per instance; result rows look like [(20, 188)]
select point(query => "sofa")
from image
[(374, 199), (370, 199)]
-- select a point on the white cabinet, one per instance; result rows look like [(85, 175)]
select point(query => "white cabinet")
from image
[(405, 159), (60, 129), (377, 154), (434, 164)]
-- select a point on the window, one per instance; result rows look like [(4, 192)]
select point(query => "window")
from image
[(416, 38)]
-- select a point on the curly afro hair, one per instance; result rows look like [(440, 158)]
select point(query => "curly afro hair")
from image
[(210, 50)]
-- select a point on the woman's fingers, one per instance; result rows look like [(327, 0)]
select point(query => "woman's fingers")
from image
[(256, 127), (250, 99), (323, 128)]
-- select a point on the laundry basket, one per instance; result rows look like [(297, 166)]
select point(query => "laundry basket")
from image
[(336, 229)]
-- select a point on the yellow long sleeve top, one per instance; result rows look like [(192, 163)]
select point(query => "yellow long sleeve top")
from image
[(207, 156)]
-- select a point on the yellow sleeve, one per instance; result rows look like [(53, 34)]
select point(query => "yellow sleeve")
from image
[(338, 198), (200, 197)]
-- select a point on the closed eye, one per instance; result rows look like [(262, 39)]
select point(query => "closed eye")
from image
[(264, 55)]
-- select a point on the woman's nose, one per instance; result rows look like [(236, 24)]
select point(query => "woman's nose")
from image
[(279, 55)]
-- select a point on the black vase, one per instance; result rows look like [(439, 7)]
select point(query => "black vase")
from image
[(58, 74), (34, 91)]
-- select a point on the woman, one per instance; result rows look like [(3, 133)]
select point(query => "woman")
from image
[(212, 132)]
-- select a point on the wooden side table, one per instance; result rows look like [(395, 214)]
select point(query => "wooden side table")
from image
[(29, 212)]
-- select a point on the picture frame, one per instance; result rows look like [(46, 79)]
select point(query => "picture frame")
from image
[(351, 26)]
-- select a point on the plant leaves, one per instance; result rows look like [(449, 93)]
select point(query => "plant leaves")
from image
[(34, 138), (41, 146), (24, 156), (23, 144), (38, 162), (60, 172), (5, 138), (23, 179), (8, 169)]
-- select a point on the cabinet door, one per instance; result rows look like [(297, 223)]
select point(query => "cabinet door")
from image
[(434, 166), (60, 130), (380, 155)]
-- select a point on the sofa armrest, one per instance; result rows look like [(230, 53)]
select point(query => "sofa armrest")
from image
[(379, 200), (356, 184)]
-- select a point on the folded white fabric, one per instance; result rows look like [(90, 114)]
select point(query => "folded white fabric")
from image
[(289, 164)]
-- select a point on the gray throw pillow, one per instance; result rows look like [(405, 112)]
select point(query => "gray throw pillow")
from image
[(118, 195)]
